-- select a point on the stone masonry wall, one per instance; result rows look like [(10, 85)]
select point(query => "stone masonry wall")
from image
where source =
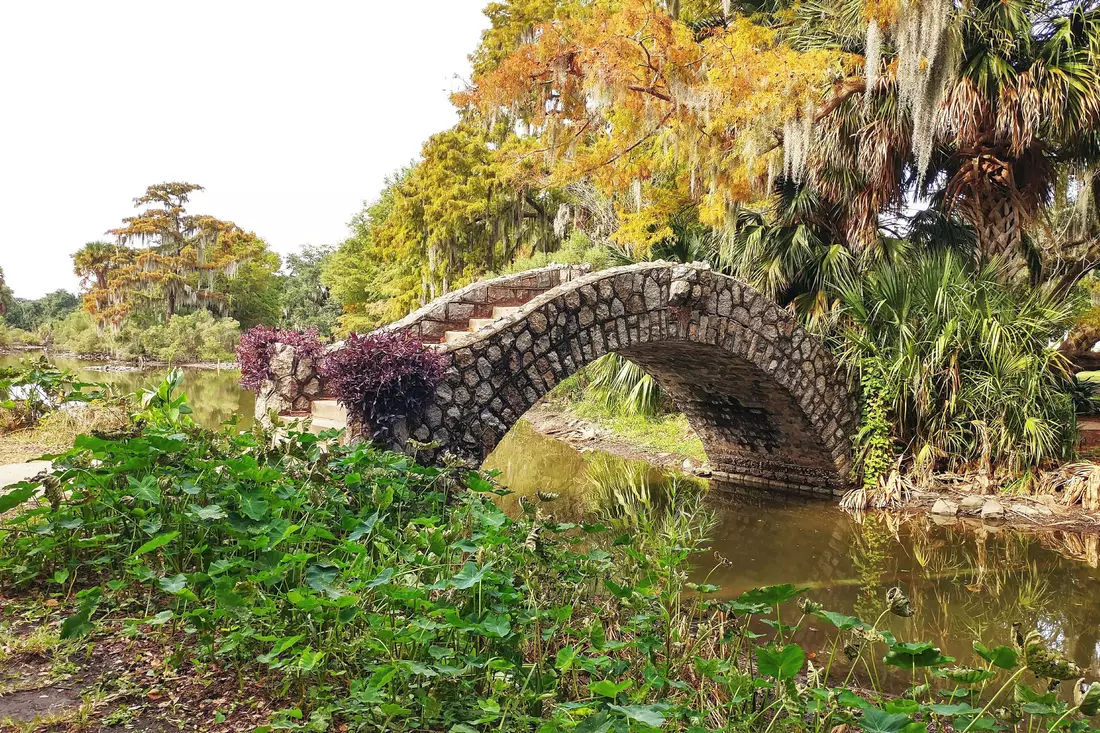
[(764, 395), (295, 383)]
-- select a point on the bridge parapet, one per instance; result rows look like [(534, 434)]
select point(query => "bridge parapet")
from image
[(451, 312)]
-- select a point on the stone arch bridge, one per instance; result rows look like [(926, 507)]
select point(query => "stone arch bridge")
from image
[(766, 397)]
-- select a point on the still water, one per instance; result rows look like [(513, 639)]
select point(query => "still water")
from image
[(965, 583), (214, 395)]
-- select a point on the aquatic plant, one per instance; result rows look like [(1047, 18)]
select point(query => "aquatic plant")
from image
[(389, 596)]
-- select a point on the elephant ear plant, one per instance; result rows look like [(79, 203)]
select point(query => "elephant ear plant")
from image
[(382, 377)]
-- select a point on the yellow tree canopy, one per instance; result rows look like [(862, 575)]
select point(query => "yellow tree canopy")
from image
[(657, 114)]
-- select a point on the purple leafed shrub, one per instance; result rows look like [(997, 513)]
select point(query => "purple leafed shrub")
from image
[(382, 377), (257, 346)]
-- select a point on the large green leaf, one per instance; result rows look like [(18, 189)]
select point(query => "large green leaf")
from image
[(771, 595), (1004, 657), (647, 714), (254, 506), (782, 664), (879, 721), (842, 621), (145, 490), (469, 576), (609, 688), (497, 625), (159, 541), (208, 513), (17, 496)]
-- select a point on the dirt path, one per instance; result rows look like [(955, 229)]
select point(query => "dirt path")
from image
[(16, 472)]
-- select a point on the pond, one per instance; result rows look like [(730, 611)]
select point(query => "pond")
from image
[(965, 583), (214, 394)]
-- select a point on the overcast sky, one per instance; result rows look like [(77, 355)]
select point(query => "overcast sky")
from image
[(290, 114)]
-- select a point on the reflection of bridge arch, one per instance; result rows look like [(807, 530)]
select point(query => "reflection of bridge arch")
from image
[(764, 395)]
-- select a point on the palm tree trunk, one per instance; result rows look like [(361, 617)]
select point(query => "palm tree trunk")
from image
[(998, 223)]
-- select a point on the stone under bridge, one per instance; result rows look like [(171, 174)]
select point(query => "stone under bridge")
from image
[(765, 396)]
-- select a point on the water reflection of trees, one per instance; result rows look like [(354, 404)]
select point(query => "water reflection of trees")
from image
[(966, 583), (214, 394)]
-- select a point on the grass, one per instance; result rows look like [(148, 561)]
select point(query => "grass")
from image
[(56, 432), (669, 433)]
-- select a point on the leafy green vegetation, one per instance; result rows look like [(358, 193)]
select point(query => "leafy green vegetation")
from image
[(962, 363), (389, 596), (197, 336)]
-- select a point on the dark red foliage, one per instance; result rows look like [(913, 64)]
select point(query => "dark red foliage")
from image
[(257, 346), (382, 377)]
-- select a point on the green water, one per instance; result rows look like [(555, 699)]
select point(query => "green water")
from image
[(965, 583), (214, 395)]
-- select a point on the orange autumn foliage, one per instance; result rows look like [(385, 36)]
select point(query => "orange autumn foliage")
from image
[(658, 116)]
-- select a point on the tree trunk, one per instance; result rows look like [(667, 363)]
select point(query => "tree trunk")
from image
[(998, 222)]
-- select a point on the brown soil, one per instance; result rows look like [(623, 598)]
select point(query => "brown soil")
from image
[(112, 682)]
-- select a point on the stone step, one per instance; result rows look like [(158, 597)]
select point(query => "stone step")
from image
[(317, 425), (502, 311), (476, 324), (451, 336), (328, 410)]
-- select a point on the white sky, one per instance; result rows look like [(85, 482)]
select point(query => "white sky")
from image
[(290, 114)]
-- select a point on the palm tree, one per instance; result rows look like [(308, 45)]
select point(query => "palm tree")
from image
[(983, 113), (93, 262)]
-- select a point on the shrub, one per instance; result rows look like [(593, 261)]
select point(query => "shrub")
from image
[(963, 362), (382, 377), (196, 336), (257, 346)]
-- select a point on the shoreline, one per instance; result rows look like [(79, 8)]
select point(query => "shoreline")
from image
[(128, 364), (585, 435), (1024, 513)]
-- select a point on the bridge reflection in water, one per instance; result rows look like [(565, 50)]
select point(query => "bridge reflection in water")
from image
[(965, 583)]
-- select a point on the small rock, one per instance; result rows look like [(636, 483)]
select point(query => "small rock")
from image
[(1031, 510), (992, 509), (942, 507), (972, 502), (688, 465)]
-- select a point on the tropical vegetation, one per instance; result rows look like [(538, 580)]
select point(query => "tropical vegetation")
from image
[(357, 589)]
